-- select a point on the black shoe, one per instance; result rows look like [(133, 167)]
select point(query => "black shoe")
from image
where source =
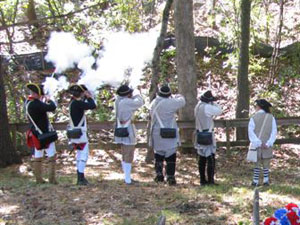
[(81, 179), (85, 181), (82, 182), (266, 184), (253, 184), (171, 181), (159, 179), (133, 182), (203, 183)]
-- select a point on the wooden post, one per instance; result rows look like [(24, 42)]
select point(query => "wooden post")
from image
[(256, 207), (227, 138), (161, 220)]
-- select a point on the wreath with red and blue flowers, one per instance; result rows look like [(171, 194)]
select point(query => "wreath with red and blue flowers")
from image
[(289, 215)]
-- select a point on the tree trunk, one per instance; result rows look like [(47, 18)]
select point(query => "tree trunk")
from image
[(158, 49), (185, 62), (243, 98), (274, 59), (156, 68), (8, 154)]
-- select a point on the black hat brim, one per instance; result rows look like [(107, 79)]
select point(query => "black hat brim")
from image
[(263, 103), (125, 93), (83, 87), (38, 89), (164, 95), (76, 88), (164, 91), (205, 99)]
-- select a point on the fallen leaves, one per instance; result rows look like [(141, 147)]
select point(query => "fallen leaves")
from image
[(109, 201)]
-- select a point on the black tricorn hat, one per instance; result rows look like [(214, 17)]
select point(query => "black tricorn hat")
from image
[(77, 88), (83, 87), (264, 104), (164, 91), (208, 97), (36, 88), (124, 90)]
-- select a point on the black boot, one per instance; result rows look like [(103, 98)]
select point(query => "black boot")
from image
[(170, 169), (81, 179), (159, 163), (201, 166), (211, 169)]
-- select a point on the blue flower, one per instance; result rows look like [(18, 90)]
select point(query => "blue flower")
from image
[(279, 213), (285, 221)]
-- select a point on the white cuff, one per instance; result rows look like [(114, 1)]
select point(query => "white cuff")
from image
[(256, 144)]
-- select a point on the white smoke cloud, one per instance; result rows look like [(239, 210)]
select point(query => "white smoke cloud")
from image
[(52, 86), (86, 63), (122, 52), (64, 51)]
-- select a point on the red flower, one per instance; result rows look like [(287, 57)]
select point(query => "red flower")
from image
[(270, 221), (291, 206), (293, 218)]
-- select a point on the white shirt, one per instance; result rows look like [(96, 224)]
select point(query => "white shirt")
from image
[(255, 141), (212, 110)]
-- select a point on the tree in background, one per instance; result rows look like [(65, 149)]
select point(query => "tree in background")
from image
[(8, 154), (243, 97), (185, 61)]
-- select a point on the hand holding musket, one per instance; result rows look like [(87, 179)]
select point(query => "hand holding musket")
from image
[(87, 94), (45, 98)]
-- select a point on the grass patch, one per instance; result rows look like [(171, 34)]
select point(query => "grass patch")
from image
[(284, 189), (172, 216)]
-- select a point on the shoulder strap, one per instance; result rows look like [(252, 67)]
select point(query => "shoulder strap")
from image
[(154, 112), (263, 126), (197, 111), (32, 121), (117, 118), (211, 125), (71, 121)]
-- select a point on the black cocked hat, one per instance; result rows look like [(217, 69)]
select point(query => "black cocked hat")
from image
[(208, 97), (36, 88), (164, 91), (77, 88), (124, 90), (83, 87), (264, 104)]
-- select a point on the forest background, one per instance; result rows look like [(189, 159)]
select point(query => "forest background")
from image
[(274, 74)]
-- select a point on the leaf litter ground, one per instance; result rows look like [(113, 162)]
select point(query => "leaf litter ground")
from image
[(109, 201)]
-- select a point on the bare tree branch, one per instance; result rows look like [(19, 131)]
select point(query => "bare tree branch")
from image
[(5, 26), (51, 9)]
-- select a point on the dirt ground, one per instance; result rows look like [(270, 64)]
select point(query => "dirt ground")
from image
[(109, 201)]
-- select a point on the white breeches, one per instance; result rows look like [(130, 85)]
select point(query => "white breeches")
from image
[(50, 151)]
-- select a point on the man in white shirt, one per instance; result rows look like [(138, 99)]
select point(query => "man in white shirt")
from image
[(262, 131), (204, 112), (163, 115), (127, 103)]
